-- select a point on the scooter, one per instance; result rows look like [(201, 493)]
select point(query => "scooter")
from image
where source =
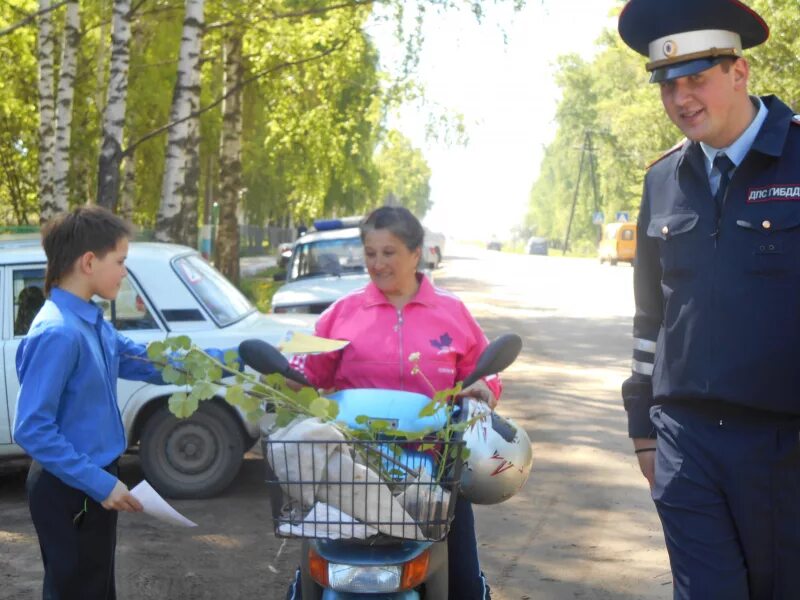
[(380, 566)]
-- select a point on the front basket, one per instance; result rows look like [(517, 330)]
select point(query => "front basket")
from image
[(362, 489)]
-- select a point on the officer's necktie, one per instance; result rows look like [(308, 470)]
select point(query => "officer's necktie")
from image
[(724, 166)]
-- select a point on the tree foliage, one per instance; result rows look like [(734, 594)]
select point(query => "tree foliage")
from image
[(404, 174), (314, 103), (19, 120)]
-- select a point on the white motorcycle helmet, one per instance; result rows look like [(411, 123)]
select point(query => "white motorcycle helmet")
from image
[(500, 455)]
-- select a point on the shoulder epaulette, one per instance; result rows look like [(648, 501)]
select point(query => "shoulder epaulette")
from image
[(796, 119), (672, 150)]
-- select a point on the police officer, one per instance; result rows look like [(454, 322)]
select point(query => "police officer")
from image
[(713, 402)]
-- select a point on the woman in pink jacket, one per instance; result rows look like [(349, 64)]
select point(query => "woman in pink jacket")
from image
[(399, 314)]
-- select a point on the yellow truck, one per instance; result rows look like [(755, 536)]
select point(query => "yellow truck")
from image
[(618, 243)]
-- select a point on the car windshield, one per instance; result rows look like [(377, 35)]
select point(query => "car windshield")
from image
[(327, 257), (218, 295)]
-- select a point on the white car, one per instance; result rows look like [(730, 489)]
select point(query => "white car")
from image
[(327, 264), (170, 290)]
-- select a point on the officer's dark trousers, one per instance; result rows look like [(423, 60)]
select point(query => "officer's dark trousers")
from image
[(727, 489), (465, 578), (78, 560)]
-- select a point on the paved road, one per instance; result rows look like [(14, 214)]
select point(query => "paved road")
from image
[(583, 527)]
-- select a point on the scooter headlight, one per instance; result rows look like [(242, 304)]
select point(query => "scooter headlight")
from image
[(364, 579)]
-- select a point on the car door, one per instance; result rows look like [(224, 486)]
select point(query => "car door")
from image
[(21, 287), (5, 318)]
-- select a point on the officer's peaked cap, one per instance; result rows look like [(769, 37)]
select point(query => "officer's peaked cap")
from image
[(683, 37)]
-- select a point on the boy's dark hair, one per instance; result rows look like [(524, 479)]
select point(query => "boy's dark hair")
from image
[(399, 221), (71, 235)]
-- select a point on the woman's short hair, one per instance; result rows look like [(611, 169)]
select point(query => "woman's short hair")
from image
[(399, 221)]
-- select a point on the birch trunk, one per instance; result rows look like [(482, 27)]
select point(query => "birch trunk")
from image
[(168, 220), (66, 92), (191, 187), (47, 113), (230, 166), (114, 115)]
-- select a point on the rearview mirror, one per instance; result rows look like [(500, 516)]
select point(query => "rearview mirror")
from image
[(497, 356)]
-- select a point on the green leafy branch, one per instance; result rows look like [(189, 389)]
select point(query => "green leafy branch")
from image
[(184, 364)]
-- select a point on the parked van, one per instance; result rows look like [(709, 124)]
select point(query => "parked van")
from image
[(618, 243)]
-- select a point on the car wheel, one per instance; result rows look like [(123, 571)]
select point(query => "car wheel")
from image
[(196, 457), (612, 262), (602, 260), (438, 254)]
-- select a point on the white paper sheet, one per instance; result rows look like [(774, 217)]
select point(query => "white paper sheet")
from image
[(297, 342), (155, 506)]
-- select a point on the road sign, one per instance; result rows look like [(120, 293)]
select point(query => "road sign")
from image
[(622, 216), (598, 218)]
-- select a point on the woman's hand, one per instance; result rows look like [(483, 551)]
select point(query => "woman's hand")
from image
[(293, 385), (479, 391)]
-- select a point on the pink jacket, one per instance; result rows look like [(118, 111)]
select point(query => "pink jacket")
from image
[(434, 324)]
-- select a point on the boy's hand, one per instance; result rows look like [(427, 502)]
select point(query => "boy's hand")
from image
[(121, 499)]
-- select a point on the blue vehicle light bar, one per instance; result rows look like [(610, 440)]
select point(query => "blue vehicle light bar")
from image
[(331, 224)]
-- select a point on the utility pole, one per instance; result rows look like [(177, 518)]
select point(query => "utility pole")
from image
[(586, 148), (593, 171)]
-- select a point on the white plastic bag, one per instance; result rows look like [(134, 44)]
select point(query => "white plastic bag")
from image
[(293, 462), (360, 492)]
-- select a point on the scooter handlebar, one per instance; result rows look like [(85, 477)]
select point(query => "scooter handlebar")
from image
[(266, 359)]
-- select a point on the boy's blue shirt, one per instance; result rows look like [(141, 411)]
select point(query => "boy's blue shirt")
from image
[(67, 414)]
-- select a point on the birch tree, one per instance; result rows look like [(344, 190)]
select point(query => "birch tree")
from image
[(108, 174), (66, 92), (185, 96), (47, 113), (230, 167), (191, 186)]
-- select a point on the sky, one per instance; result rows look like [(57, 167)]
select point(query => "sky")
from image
[(507, 96)]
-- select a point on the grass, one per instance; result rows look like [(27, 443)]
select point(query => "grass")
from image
[(260, 288)]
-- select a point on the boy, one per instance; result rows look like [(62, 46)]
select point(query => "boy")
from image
[(67, 419)]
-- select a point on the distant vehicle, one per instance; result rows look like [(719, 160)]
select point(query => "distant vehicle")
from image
[(434, 243), (618, 243), (327, 263), (494, 245), (536, 245), (170, 290)]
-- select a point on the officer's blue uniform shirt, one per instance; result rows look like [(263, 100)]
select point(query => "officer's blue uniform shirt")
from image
[(718, 289), (737, 150), (67, 414)]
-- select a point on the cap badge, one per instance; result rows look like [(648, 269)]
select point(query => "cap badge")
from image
[(670, 48)]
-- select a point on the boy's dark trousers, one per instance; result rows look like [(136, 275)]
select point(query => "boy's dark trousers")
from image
[(77, 549)]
